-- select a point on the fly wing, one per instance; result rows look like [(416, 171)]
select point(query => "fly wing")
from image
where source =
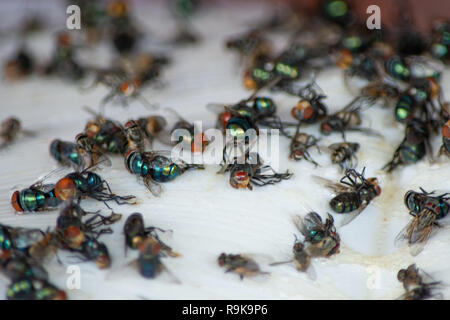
[(348, 217), (404, 235), (217, 108), (336, 187), (304, 225), (103, 162), (359, 103), (154, 187), (56, 173), (24, 238)]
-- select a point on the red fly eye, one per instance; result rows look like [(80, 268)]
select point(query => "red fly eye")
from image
[(4, 254), (249, 83), (240, 180), (306, 109), (199, 143), (129, 124), (64, 39), (72, 232), (61, 295), (128, 153), (308, 112), (446, 130), (15, 201), (224, 118), (241, 176), (124, 87), (65, 189), (325, 127), (378, 190)]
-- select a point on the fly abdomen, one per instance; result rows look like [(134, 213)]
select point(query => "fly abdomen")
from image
[(411, 153), (164, 170), (345, 202)]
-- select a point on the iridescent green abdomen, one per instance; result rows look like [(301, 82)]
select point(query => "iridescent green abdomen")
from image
[(396, 68), (163, 169), (237, 127), (403, 108), (264, 106), (5, 239), (136, 165), (345, 202), (286, 71), (20, 290), (411, 153)]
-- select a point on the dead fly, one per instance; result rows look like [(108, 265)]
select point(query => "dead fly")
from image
[(29, 280), (17, 239), (248, 169), (85, 246), (348, 118), (135, 136), (93, 250), (35, 198), (300, 144), (151, 126), (74, 227), (420, 100), (418, 284), (384, 90), (156, 167), (81, 184), (9, 130), (183, 131), (149, 260), (320, 240), (252, 47), (354, 192), (413, 147), (104, 135), (344, 154), (122, 28), (18, 265), (358, 65), (310, 108), (144, 68), (63, 62), (135, 233), (242, 265), (81, 154), (20, 66), (426, 209), (122, 88), (249, 114)]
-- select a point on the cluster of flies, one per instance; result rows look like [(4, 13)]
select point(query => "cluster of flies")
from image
[(404, 74)]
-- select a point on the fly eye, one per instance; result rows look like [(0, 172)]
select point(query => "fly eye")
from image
[(345, 59), (249, 83), (325, 128), (401, 275), (240, 180), (15, 201), (224, 117), (124, 87), (129, 124), (446, 130), (378, 189), (65, 189)]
